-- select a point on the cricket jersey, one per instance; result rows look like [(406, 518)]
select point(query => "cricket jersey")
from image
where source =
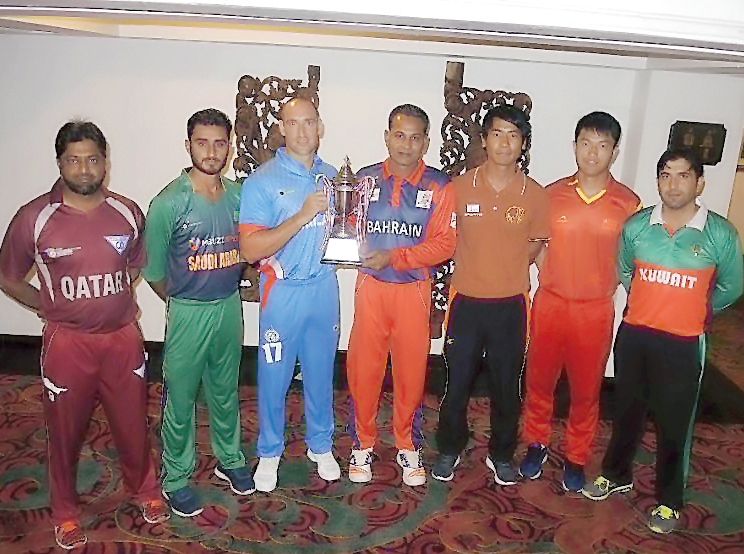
[(82, 258), (675, 279), (402, 214), (192, 242), (580, 261)]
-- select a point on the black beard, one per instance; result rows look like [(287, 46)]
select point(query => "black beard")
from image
[(208, 171), (88, 189)]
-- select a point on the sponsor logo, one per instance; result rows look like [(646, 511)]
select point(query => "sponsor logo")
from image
[(195, 242), (119, 242), (395, 228), (562, 219), (453, 220), (60, 252), (140, 371), (664, 277), (188, 224), (92, 286)]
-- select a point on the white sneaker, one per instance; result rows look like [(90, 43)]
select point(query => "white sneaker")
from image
[(265, 476), (414, 473), (328, 468), (360, 466)]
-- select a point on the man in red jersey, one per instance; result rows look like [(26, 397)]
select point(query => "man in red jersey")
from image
[(86, 244), (573, 311)]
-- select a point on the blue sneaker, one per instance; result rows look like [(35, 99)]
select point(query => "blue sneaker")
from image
[(184, 502), (240, 479), (573, 477), (531, 466)]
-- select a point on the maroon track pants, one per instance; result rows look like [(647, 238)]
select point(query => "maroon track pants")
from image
[(78, 369)]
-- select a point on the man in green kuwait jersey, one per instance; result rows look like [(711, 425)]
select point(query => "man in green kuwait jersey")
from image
[(194, 265)]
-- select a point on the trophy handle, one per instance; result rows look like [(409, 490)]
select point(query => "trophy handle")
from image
[(322, 183), (365, 192)]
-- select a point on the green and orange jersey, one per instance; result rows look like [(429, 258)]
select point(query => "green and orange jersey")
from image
[(674, 279), (580, 260)]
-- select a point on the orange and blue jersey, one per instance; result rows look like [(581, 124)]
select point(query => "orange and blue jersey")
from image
[(674, 279), (412, 217)]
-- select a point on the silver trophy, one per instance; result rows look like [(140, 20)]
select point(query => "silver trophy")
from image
[(346, 216)]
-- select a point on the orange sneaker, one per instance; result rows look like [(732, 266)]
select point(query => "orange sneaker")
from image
[(69, 535), (155, 511)]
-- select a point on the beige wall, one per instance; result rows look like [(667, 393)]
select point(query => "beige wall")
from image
[(736, 207)]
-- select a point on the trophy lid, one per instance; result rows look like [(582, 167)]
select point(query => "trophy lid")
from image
[(345, 176)]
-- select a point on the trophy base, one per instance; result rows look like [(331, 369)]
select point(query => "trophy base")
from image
[(342, 252)]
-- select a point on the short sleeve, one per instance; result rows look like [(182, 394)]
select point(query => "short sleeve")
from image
[(17, 251), (254, 206), (540, 221), (158, 232)]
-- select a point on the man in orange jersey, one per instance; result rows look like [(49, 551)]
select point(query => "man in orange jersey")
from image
[(502, 222), (678, 261), (573, 311), (410, 228)]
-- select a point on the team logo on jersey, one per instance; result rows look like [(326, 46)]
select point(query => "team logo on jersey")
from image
[(375, 195), (271, 335), (453, 220), (60, 252), (424, 198), (188, 224), (53, 390), (140, 371), (696, 249), (119, 242), (515, 214)]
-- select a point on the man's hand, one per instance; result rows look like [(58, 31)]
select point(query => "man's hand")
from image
[(377, 259), (314, 204)]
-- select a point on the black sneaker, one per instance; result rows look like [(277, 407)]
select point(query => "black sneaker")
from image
[(504, 473), (531, 466), (602, 487), (573, 477), (184, 502), (240, 479), (444, 467)]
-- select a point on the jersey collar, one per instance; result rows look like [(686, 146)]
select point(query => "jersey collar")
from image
[(574, 182), (697, 221), (414, 178)]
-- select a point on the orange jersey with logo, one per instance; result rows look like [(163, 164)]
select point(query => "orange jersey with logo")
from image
[(580, 261)]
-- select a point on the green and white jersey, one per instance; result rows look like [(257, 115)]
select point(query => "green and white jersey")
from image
[(192, 242)]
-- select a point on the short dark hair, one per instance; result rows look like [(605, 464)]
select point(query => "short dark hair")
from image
[(411, 111), (517, 117), (210, 116), (75, 131), (601, 122), (680, 153)]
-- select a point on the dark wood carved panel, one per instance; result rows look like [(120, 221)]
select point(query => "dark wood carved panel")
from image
[(257, 136), (257, 104), (462, 149)]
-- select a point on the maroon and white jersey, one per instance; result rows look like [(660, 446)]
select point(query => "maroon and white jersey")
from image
[(81, 258)]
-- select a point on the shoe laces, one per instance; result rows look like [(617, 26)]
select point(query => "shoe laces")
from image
[(361, 457), (665, 512), (602, 483), (410, 458)]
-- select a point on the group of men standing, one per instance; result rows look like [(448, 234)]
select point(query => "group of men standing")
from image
[(89, 245)]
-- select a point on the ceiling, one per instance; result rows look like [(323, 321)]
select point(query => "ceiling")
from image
[(673, 34)]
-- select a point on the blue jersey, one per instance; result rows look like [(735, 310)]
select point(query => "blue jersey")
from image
[(273, 194), (400, 211)]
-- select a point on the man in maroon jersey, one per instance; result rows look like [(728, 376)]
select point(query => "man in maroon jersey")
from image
[(86, 244)]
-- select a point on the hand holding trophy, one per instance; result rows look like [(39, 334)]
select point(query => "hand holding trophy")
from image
[(346, 215)]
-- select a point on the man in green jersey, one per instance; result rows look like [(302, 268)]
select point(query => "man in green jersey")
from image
[(194, 265), (678, 261)]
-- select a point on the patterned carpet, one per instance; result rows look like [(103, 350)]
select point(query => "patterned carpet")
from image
[(305, 515)]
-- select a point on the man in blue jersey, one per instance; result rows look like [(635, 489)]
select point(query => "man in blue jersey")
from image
[(282, 225)]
